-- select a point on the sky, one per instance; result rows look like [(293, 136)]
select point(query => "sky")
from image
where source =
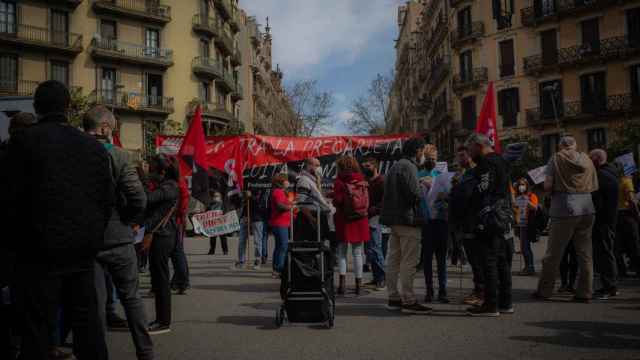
[(342, 44)]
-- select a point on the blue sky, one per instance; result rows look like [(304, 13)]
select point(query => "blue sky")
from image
[(341, 43)]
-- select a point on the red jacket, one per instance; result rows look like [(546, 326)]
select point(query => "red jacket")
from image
[(350, 232)]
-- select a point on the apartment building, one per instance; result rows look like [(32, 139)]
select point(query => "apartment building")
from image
[(558, 66), (151, 61)]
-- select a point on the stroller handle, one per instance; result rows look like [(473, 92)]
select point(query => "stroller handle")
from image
[(300, 205)]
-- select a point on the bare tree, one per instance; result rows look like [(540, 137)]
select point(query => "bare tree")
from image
[(369, 112), (311, 107)]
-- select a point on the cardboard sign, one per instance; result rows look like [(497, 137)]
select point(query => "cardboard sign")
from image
[(215, 223), (538, 174), (442, 167), (628, 163)]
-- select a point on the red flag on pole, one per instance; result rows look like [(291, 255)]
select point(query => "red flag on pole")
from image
[(116, 140), (193, 158), (486, 124)]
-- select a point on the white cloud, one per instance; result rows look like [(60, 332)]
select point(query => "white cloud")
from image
[(308, 33)]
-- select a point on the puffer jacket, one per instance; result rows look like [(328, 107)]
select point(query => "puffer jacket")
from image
[(131, 199)]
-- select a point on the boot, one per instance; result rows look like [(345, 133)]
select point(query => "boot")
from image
[(341, 284), (358, 286)]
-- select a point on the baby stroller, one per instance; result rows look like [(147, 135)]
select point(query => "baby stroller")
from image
[(306, 287)]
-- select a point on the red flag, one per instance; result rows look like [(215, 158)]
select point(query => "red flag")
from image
[(487, 120), (193, 158), (116, 140)]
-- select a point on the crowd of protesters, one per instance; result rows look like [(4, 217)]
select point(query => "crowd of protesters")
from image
[(96, 221)]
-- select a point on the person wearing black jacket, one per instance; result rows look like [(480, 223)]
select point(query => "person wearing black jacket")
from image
[(161, 220), (62, 195), (605, 200), (118, 257), (491, 201)]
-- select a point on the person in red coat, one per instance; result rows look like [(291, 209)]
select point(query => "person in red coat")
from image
[(349, 230)]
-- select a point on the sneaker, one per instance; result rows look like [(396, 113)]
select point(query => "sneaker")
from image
[(507, 310), (237, 266), (180, 291), (117, 323), (157, 329), (275, 275), (256, 265), (416, 309), (380, 286), (604, 294), (394, 305), (483, 311), (211, 252)]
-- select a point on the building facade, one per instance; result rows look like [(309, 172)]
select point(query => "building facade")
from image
[(558, 66), (151, 61)]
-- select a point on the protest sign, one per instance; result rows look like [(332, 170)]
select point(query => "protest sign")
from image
[(628, 164), (215, 223), (442, 167), (537, 175)]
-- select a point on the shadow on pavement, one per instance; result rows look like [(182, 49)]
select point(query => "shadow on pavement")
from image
[(586, 334), (260, 322), (248, 288)]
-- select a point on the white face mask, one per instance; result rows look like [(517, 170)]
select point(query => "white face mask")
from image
[(422, 160), (318, 172), (522, 188)]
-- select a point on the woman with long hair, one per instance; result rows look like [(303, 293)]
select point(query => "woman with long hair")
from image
[(352, 227)]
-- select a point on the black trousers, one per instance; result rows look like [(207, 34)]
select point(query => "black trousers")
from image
[(569, 266), (604, 259), (120, 262), (41, 291), (496, 254), (223, 242), (628, 242), (473, 252), (162, 247)]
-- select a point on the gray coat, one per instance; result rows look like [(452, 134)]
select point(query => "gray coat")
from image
[(131, 200), (401, 194)]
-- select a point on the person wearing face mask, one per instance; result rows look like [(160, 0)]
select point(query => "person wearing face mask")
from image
[(217, 204), (526, 204), (280, 221), (401, 198), (310, 199)]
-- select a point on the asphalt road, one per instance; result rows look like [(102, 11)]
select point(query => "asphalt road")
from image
[(230, 315)]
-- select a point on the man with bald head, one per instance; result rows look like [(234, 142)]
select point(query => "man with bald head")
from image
[(605, 200), (118, 257)]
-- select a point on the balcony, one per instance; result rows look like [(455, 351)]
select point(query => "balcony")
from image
[(467, 34), (143, 10), (237, 93), (210, 110), (430, 10), (611, 49), (207, 67), (17, 87), (441, 114), (133, 102), (228, 83), (536, 15), (611, 106), (68, 3), (224, 41), (205, 25), (116, 50), (254, 34), (473, 80), (32, 37), (224, 7)]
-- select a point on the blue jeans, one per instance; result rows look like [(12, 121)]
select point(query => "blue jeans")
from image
[(281, 235), (374, 253), (525, 245), (435, 236), (259, 232)]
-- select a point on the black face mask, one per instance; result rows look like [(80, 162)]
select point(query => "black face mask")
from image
[(368, 172)]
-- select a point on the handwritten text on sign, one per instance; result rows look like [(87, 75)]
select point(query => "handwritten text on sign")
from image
[(215, 223)]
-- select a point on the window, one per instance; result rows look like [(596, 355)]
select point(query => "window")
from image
[(549, 44), (551, 99), (7, 17), (60, 27), (8, 72), (464, 21), (635, 84), (469, 116), (507, 59), (108, 84), (593, 93), (109, 34), (466, 66), (590, 36), (152, 42), (549, 146), (503, 13), (633, 26), (509, 106), (60, 72), (154, 89), (205, 91), (204, 8), (596, 139), (544, 7)]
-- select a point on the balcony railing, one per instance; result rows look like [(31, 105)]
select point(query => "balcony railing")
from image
[(438, 73), (614, 48), (472, 80), (224, 41), (213, 109), (207, 66), (224, 7), (228, 82), (17, 87), (611, 106), (132, 101), (207, 25), (467, 33), (42, 38), (139, 9), (139, 54), (534, 15)]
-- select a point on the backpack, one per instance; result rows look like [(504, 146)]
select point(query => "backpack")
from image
[(357, 203)]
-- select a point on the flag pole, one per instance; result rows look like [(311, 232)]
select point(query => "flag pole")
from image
[(248, 265)]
